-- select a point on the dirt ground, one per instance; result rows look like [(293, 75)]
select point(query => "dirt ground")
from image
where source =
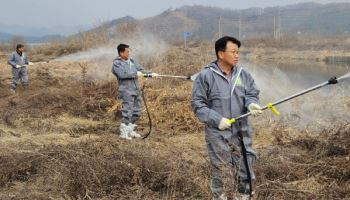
[(60, 141)]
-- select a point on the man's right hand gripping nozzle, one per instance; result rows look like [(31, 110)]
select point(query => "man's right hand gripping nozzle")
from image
[(224, 124), (139, 73), (147, 75), (254, 109)]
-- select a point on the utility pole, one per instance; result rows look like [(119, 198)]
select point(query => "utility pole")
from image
[(274, 27), (239, 24), (220, 34), (279, 24)]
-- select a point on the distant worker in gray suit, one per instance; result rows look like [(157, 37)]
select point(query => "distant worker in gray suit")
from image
[(224, 90), (19, 62), (127, 71)]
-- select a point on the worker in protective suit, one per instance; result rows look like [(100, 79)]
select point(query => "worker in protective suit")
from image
[(19, 62), (127, 72), (224, 90)]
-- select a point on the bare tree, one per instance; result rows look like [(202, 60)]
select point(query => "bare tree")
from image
[(17, 40)]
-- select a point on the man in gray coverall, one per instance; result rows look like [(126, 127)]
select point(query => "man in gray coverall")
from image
[(19, 62), (127, 72), (224, 90)]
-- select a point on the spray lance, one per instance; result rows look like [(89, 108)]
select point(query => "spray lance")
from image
[(243, 130), (192, 78), (272, 107)]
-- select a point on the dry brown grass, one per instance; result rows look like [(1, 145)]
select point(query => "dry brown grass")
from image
[(297, 48), (306, 167), (104, 168), (60, 141)]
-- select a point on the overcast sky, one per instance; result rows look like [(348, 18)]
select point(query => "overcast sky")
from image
[(51, 13)]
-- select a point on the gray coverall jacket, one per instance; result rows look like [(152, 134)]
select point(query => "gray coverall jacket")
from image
[(19, 73), (215, 97), (129, 89)]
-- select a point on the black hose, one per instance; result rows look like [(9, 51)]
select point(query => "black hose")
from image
[(245, 157), (149, 116)]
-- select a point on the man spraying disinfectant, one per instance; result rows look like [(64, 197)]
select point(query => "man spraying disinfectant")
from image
[(127, 72)]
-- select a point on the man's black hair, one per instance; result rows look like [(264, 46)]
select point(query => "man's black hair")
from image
[(220, 44), (19, 46), (122, 47)]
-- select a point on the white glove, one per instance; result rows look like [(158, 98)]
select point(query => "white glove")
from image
[(139, 73), (18, 66), (30, 63), (254, 109), (154, 74), (224, 124)]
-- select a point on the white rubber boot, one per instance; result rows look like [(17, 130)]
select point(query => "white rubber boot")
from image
[(132, 133), (124, 131), (221, 197), (13, 91), (245, 197)]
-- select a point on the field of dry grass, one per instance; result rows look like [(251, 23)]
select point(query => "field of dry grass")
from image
[(297, 48), (60, 141)]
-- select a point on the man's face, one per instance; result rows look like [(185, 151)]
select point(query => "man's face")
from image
[(231, 54), (20, 49), (125, 54)]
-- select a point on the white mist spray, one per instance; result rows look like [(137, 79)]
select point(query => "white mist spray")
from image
[(346, 76), (100, 60), (316, 110)]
